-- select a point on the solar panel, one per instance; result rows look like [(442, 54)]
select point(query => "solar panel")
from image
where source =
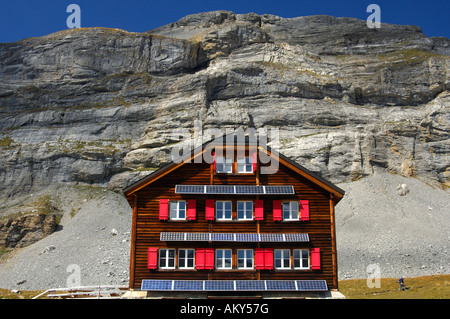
[(188, 285), (189, 189), (222, 237), (219, 189), (247, 237), (172, 236), (197, 237), (249, 189), (279, 189), (297, 237), (219, 285), (280, 285), (312, 285), (250, 285), (272, 237), (157, 285), (233, 285)]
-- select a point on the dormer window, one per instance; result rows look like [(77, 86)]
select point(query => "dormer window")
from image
[(241, 165), (224, 164), (245, 165)]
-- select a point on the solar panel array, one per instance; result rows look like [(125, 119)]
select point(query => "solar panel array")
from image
[(235, 189), (235, 237), (234, 285)]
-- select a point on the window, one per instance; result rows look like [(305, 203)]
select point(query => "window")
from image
[(301, 258), (178, 210), (167, 258), (223, 210), (223, 259), (290, 210), (245, 259), (224, 164), (244, 210), (186, 258), (282, 259), (245, 165)]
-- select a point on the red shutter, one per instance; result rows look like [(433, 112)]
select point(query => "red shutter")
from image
[(277, 210), (163, 209), (209, 209), (268, 258), (254, 162), (200, 258), (259, 258), (152, 258), (209, 258), (304, 210), (214, 161), (315, 258), (259, 209), (191, 209)]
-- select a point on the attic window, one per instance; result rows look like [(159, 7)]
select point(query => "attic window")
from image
[(224, 164), (245, 165)]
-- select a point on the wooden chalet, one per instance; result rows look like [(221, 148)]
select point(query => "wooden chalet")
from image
[(233, 225)]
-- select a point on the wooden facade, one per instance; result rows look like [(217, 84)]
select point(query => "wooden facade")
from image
[(314, 195)]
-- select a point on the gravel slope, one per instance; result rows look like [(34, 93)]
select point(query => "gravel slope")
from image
[(85, 240), (403, 235)]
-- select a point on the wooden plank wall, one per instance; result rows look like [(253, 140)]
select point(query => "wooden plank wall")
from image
[(148, 226)]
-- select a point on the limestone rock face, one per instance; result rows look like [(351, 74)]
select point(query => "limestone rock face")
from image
[(26, 230), (104, 106)]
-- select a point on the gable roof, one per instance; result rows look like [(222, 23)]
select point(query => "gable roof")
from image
[(245, 141)]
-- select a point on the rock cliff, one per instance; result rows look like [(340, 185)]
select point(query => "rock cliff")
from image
[(100, 106), (26, 230)]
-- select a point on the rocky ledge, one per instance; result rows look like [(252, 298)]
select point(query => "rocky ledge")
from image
[(26, 230)]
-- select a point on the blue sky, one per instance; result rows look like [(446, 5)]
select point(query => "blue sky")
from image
[(31, 18)]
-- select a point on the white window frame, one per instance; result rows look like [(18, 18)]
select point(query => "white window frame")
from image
[(246, 258), (221, 260), (293, 212), (183, 261), (175, 206), (245, 211), (282, 259), (304, 262), (245, 165), (225, 163), (223, 202), (164, 261)]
